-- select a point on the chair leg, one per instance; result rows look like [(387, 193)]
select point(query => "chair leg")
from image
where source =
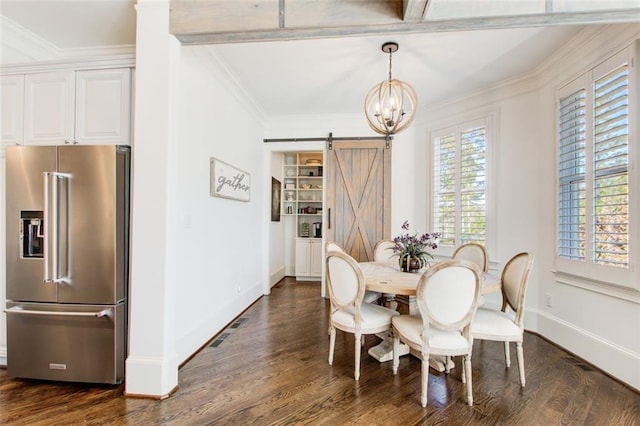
[(358, 349), (447, 363), (332, 343), (396, 353), (520, 355), (467, 368), (463, 373), (425, 379), (507, 356)]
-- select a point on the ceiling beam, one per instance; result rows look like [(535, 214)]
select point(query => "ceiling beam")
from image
[(467, 24), (414, 10)]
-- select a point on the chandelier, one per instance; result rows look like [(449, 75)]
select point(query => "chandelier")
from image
[(390, 106)]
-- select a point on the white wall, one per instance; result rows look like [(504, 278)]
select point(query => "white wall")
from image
[(599, 328), (197, 261), (220, 259)]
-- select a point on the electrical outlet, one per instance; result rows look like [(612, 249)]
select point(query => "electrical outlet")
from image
[(548, 300), (238, 289)]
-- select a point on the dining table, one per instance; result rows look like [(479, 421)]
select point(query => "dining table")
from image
[(400, 287)]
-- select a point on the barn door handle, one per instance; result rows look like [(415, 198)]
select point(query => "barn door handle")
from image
[(329, 219)]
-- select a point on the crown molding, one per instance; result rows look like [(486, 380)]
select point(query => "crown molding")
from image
[(29, 44), (30, 47)]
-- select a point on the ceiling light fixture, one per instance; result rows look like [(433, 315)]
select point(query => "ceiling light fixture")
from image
[(391, 105)]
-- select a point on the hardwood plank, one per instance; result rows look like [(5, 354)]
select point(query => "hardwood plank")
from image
[(272, 369)]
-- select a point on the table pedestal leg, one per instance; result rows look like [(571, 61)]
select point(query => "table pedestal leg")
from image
[(383, 351)]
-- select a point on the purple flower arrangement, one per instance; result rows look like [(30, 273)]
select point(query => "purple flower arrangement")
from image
[(411, 246)]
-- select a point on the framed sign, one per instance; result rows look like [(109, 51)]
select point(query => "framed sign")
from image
[(227, 181)]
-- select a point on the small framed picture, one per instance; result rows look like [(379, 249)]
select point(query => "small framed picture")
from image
[(275, 199)]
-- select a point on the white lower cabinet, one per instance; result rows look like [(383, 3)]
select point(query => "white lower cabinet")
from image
[(308, 258)]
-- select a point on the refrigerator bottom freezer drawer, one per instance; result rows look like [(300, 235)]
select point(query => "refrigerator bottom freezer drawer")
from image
[(73, 343)]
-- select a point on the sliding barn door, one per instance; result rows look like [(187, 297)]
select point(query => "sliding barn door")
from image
[(358, 195)]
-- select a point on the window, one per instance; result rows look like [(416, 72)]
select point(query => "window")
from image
[(459, 182), (594, 184)]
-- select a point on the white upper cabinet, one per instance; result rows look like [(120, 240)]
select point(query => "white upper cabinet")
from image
[(49, 104), (103, 106), (12, 109), (67, 107)]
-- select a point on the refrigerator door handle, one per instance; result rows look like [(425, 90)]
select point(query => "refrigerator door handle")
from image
[(48, 222), (99, 314), (56, 227)]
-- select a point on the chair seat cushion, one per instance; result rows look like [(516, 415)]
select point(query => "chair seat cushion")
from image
[(410, 330), (491, 324), (375, 318)]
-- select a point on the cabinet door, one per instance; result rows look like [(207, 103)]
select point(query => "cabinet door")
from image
[(303, 250), (315, 258), (103, 106), (12, 107), (49, 106)]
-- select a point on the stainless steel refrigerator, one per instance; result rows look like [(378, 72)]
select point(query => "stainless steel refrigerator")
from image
[(67, 249)]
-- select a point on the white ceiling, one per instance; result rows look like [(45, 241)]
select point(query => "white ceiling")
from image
[(318, 76), (334, 75)]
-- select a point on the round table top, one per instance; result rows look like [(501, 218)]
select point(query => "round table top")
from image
[(387, 278)]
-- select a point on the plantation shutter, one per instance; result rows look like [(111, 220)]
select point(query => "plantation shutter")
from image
[(444, 213), (610, 165), (472, 185), (571, 211), (459, 185)]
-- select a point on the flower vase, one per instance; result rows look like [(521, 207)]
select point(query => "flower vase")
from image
[(409, 264)]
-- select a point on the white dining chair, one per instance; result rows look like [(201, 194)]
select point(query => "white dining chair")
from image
[(473, 252), (349, 312), (383, 252), (369, 296), (506, 325), (447, 296)]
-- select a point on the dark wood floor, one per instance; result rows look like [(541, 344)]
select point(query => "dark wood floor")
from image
[(270, 367)]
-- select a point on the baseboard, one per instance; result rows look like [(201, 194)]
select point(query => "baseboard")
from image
[(276, 276), (614, 360), (309, 279), (150, 377)]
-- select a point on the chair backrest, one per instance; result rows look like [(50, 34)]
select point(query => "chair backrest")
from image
[(332, 246), (448, 293), (383, 252), (515, 277), (344, 280), (472, 252)]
